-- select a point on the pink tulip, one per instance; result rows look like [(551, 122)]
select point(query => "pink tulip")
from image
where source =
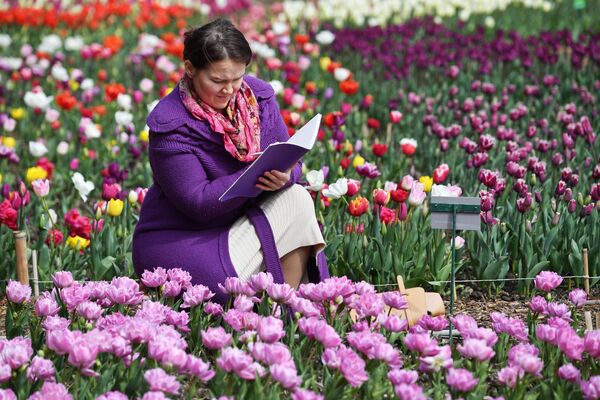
[(547, 281), (461, 380), (17, 293), (159, 380), (41, 187), (270, 329)]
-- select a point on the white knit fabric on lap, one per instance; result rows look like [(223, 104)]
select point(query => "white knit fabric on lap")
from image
[(291, 214)]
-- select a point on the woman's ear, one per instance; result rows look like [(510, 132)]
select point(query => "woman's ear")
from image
[(189, 68)]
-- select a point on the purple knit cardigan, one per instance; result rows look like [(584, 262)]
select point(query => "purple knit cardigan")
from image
[(182, 222)]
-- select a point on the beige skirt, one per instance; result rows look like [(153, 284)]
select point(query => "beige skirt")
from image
[(291, 214)]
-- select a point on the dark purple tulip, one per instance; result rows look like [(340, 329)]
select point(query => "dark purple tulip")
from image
[(566, 173), (587, 162), (444, 145), (573, 180), (596, 173), (468, 105), (531, 131), (467, 144), (487, 200), (475, 85), (524, 203), (453, 91), (479, 159), (488, 219), (561, 186), (486, 142), (488, 88), (587, 210), (595, 191), (542, 123), (500, 186), (521, 187), (571, 108), (568, 194), (515, 170), (543, 146), (511, 146), (557, 159), (531, 162), (572, 206), (488, 178), (538, 196), (568, 142)]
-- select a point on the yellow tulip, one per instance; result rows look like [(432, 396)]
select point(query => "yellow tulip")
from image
[(74, 85), (358, 160), (17, 113), (9, 142), (168, 90), (77, 242), (115, 207), (427, 182), (144, 136), (0, 178), (324, 62), (34, 173)]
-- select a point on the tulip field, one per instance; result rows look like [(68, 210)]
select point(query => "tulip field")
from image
[(496, 100)]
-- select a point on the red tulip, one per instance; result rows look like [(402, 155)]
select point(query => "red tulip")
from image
[(353, 187), (441, 173), (358, 206), (379, 149), (395, 116)]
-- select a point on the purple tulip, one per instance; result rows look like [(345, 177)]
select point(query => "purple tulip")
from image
[(155, 395), (89, 310), (17, 293), (461, 380), (155, 278), (51, 390), (16, 352), (124, 290), (159, 380), (538, 304), (476, 349), (239, 362), (547, 281), (198, 368), (368, 170), (305, 394), (7, 394), (421, 343), (578, 297), (113, 395), (261, 281), (569, 373), (62, 279), (403, 376), (45, 305), (591, 343), (286, 375), (591, 387), (508, 375), (409, 392), (463, 323), (195, 295), (82, 352), (280, 292), (393, 323), (270, 329)]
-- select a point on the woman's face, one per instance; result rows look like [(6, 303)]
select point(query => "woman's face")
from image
[(217, 83)]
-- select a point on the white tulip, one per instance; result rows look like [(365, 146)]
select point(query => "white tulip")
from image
[(92, 131), (341, 74), (50, 44), (146, 85), (5, 40), (11, 63), (325, 38), (315, 179), (62, 148), (37, 149), (124, 101), (74, 43), (59, 73), (337, 189), (123, 118), (83, 187), (277, 86), (37, 100)]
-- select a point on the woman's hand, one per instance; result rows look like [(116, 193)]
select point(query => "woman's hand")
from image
[(273, 180)]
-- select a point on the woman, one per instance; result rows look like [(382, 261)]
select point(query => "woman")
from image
[(202, 136)]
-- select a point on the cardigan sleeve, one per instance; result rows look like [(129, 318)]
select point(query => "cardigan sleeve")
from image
[(281, 135), (183, 180)]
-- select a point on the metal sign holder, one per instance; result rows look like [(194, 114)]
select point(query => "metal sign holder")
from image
[(454, 213)]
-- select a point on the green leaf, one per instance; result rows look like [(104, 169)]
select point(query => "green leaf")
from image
[(497, 269), (537, 268), (107, 261)]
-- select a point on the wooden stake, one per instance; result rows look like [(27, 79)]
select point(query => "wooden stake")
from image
[(586, 272), (597, 320), (588, 321), (21, 250), (34, 270)]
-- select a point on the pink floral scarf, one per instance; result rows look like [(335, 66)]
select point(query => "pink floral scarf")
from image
[(240, 126)]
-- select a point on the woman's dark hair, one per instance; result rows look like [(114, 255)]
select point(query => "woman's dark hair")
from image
[(216, 41)]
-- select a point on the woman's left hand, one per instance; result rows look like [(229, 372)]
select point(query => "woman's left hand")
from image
[(274, 180)]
